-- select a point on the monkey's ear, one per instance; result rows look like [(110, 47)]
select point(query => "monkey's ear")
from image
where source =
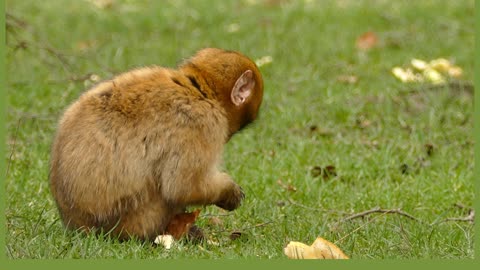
[(243, 88)]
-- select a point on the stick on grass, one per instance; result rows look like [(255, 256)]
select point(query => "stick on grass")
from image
[(380, 210)]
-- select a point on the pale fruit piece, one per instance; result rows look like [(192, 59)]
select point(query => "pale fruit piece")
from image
[(166, 240), (327, 250), (399, 73), (433, 76), (440, 64), (405, 75), (320, 249), (455, 71), (264, 61), (419, 64), (297, 250)]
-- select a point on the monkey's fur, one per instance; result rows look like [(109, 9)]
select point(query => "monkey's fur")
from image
[(136, 150)]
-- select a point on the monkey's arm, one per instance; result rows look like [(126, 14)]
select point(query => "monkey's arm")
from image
[(195, 182), (189, 173)]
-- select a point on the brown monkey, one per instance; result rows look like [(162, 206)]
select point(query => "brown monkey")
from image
[(134, 151)]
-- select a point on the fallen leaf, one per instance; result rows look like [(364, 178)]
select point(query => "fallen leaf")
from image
[(181, 223), (320, 249), (280, 203), (327, 172), (362, 122), (350, 79), (367, 41), (288, 187), (195, 235), (235, 235), (404, 168), (429, 148), (314, 129)]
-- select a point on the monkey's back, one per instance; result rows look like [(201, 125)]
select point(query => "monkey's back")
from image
[(114, 146)]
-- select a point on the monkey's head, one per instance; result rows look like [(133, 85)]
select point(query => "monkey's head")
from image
[(234, 80)]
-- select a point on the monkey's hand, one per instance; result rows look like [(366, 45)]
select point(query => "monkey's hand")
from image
[(231, 198)]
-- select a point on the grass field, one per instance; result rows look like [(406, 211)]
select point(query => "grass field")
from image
[(328, 106)]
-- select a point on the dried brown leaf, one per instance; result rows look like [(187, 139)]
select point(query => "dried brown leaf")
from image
[(429, 149), (180, 224), (288, 187), (367, 41), (235, 235), (349, 79), (326, 172)]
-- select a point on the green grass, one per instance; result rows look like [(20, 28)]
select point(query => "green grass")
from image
[(373, 132)]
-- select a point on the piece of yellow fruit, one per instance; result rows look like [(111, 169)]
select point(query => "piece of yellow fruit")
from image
[(419, 64), (405, 75), (440, 64), (434, 76), (165, 240), (455, 71), (399, 73), (298, 250), (320, 249)]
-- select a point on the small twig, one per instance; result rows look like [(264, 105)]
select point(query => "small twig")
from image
[(303, 206), (363, 225), (12, 18), (12, 22), (380, 210), (469, 218), (288, 187), (42, 45), (261, 224), (372, 211)]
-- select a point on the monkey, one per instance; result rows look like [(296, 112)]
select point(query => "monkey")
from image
[(134, 151)]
